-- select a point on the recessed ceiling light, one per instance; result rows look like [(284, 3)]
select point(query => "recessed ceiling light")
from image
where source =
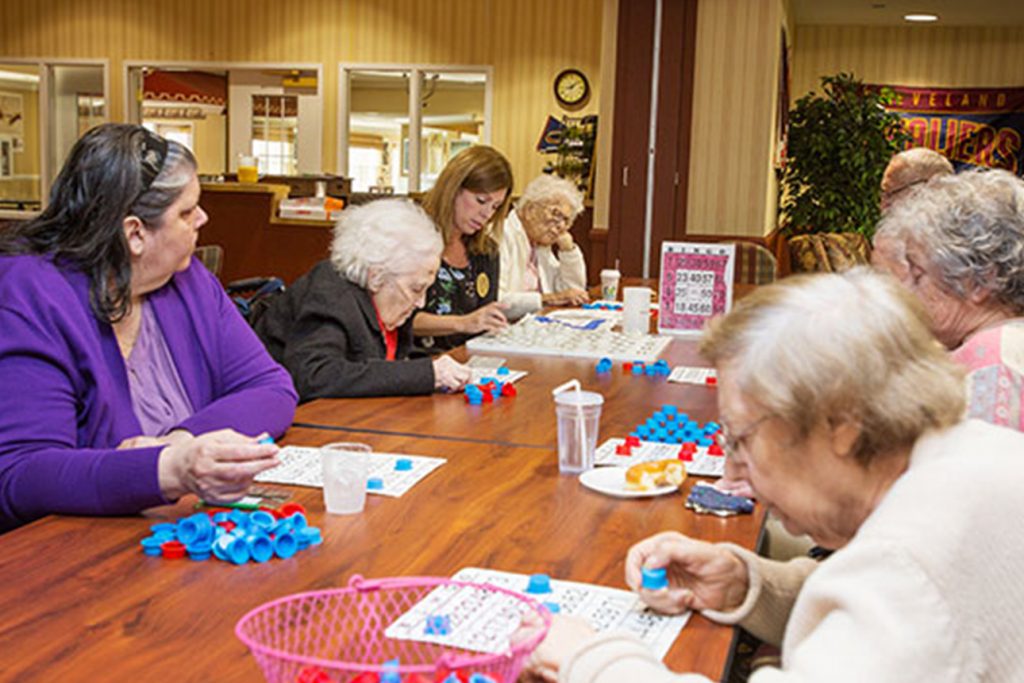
[(921, 17)]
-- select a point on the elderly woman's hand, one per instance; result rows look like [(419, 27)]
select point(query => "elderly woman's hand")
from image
[(489, 318), (449, 374), (564, 241), (217, 466), (563, 638), (566, 297), (700, 575)]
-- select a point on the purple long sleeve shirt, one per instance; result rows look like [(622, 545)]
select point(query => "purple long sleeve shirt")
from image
[(65, 404)]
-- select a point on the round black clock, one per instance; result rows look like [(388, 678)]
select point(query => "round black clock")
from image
[(571, 87)]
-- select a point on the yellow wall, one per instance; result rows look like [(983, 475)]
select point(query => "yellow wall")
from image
[(211, 144), (603, 148), (914, 56), (737, 53), (526, 41)]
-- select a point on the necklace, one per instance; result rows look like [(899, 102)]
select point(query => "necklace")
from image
[(127, 330)]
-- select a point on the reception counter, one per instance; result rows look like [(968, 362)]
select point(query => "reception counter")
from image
[(256, 242)]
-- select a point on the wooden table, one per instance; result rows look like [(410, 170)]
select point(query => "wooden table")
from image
[(81, 602), (529, 418)]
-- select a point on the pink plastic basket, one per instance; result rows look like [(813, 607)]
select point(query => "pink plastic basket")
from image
[(331, 636)]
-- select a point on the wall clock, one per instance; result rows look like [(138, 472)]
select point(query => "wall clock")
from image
[(571, 87)]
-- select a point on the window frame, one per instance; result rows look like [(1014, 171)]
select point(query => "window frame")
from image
[(47, 168), (132, 115), (415, 112)]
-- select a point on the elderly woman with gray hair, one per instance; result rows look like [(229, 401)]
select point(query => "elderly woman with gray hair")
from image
[(846, 416), (957, 243), (344, 329), (532, 275)]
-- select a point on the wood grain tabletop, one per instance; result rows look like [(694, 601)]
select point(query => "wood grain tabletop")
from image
[(81, 602)]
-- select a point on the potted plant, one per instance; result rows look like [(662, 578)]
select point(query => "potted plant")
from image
[(838, 147)]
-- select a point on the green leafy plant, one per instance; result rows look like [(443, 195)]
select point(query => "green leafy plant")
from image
[(838, 147)]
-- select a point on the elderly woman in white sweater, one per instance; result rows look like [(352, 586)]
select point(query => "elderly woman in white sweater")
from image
[(846, 416), (532, 274)]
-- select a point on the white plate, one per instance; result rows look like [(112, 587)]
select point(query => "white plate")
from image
[(611, 481)]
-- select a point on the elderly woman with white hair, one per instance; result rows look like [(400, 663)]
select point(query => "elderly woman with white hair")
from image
[(532, 274), (344, 329), (846, 416), (957, 243)]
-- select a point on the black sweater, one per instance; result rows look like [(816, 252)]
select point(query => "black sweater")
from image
[(324, 330)]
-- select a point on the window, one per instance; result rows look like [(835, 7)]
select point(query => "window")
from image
[(452, 113), (182, 133), (91, 111), (43, 109), (275, 126), (271, 111), (364, 167)]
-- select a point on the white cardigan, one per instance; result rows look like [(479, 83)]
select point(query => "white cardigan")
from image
[(557, 273), (929, 589)]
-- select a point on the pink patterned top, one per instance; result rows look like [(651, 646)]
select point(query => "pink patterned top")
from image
[(994, 358)]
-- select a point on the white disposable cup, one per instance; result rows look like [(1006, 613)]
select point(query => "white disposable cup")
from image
[(636, 309), (345, 470), (610, 284), (579, 418)]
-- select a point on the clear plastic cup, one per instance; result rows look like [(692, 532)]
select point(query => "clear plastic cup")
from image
[(579, 418), (636, 309), (345, 470)]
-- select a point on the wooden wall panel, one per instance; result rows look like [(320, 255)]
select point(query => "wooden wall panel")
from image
[(966, 56), (737, 57), (527, 42)]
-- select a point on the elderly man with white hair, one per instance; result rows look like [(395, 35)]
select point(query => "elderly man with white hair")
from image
[(344, 329), (910, 168), (532, 275)]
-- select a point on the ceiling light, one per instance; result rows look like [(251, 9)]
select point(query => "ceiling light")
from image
[(921, 17), (18, 76)]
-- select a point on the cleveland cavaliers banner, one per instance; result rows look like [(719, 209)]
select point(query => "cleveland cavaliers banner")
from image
[(970, 126)]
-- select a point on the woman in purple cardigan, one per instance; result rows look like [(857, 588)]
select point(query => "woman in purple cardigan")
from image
[(127, 377)]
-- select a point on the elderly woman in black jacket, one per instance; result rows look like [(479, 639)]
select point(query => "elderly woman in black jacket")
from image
[(344, 329)]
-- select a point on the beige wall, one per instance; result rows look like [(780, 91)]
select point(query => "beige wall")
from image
[(526, 41), (737, 53), (603, 148), (732, 185), (211, 144), (914, 56)]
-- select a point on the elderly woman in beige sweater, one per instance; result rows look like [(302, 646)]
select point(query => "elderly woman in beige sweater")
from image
[(845, 415)]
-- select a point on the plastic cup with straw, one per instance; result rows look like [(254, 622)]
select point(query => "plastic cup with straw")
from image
[(579, 415)]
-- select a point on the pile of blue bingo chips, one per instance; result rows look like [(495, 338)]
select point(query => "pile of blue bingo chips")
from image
[(232, 536), (669, 425)]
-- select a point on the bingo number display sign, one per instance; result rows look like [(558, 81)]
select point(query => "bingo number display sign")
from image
[(696, 284)]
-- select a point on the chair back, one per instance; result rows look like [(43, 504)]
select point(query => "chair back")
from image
[(211, 256), (828, 252), (754, 264)]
